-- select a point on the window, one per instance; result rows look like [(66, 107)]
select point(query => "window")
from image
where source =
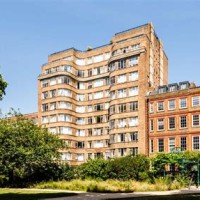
[(122, 78), (52, 93), (80, 133), (65, 130), (112, 124), (183, 143), (44, 107), (98, 107), (45, 83), (107, 105), (80, 120), (66, 156), (171, 144), (44, 95), (64, 93), (80, 97), (151, 124), (171, 123), (107, 81), (89, 132), (133, 91), (134, 151), (121, 64), (112, 67), (64, 105), (53, 106), (172, 88), (45, 120), (98, 70), (171, 104), (183, 86), (133, 106), (81, 85), (80, 145), (135, 46), (89, 72), (107, 55), (195, 101), (160, 124), (98, 95), (52, 130), (133, 121), (160, 106), (195, 143), (90, 146), (80, 73), (52, 118), (121, 93), (89, 60), (183, 103), (122, 108), (98, 119), (112, 110), (161, 145), (133, 76), (80, 156), (98, 144), (80, 109), (89, 120), (121, 137), (67, 68), (151, 146), (64, 79), (133, 61), (89, 108), (80, 61), (98, 82), (112, 80), (122, 123), (151, 106), (98, 58), (90, 96), (122, 151), (134, 136), (98, 131), (195, 120), (64, 118), (183, 122), (112, 95)]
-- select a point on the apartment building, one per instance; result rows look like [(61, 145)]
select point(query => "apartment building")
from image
[(95, 99), (174, 122)]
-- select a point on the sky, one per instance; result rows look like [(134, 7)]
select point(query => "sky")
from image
[(30, 30)]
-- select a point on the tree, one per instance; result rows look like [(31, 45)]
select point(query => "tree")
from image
[(28, 153), (3, 85)]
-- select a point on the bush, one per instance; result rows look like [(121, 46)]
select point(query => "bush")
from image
[(126, 168), (94, 169)]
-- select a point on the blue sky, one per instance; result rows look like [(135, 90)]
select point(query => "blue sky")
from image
[(30, 30)]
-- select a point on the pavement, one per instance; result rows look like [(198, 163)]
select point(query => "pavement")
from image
[(103, 196)]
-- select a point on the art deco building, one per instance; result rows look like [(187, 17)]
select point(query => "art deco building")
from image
[(95, 99), (174, 118)]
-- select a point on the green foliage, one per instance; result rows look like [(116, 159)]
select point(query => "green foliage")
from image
[(95, 169), (27, 152), (126, 168), (3, 85)]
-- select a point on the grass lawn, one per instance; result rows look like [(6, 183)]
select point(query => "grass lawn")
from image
[(16, 194)]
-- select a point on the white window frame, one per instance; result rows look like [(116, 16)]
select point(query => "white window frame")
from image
[(180, 103), (193, 100), (172, 100)]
